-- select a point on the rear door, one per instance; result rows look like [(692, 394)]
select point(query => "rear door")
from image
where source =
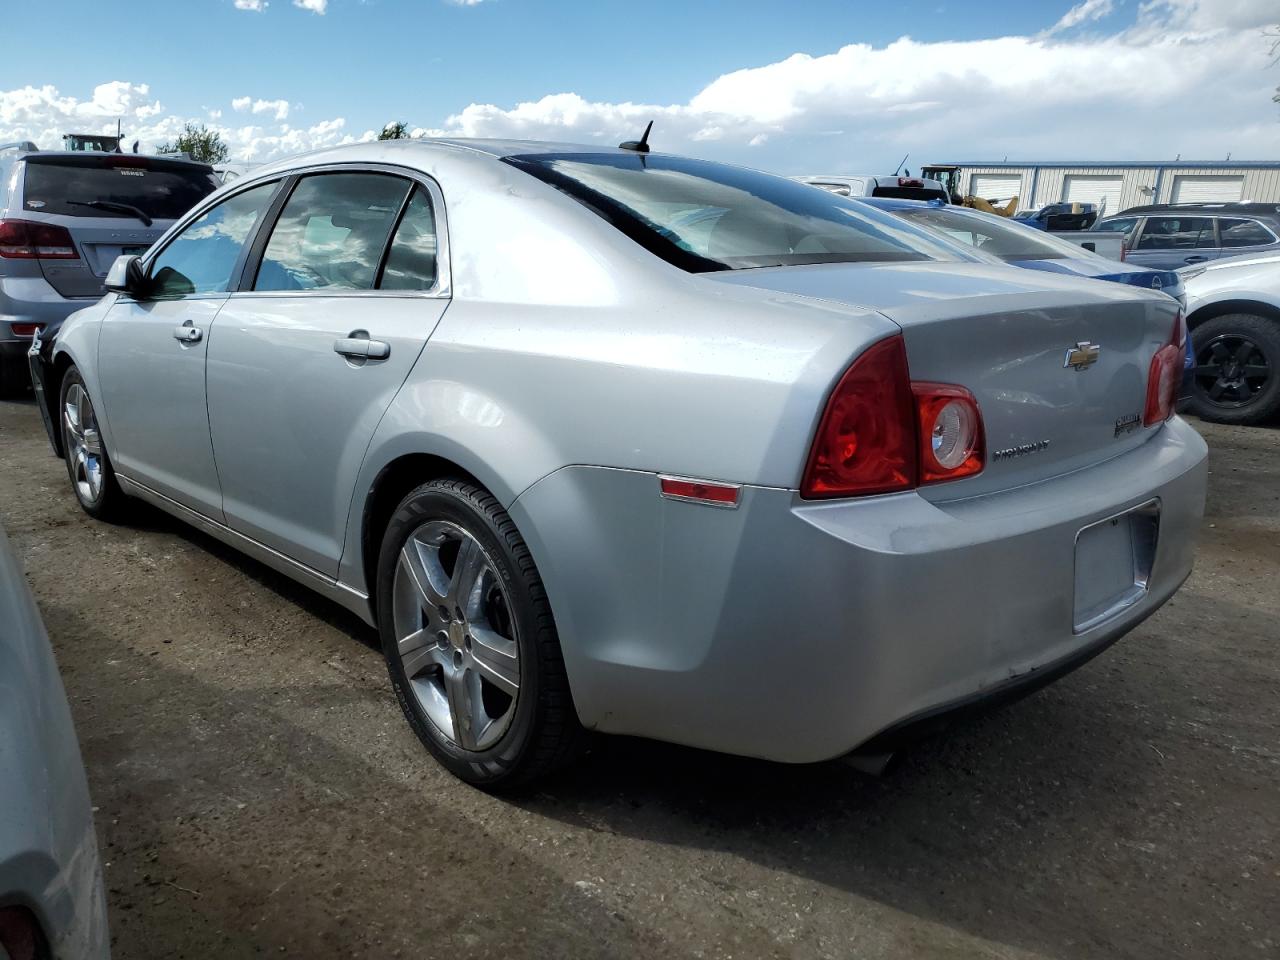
[(151, 355), (1169, 241), (111, 204), (336, 303)]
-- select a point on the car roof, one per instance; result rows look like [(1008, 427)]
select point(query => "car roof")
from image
[(1206, 208), (162, 157)]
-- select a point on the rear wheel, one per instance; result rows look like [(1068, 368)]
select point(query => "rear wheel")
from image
[(469, 639), (1236, 378), (92, 478)]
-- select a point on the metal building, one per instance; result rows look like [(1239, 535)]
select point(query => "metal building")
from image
[(1121, 184)]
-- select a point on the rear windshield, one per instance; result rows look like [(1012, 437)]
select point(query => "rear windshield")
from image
[(703, 216), (163, 191), (993, 235)]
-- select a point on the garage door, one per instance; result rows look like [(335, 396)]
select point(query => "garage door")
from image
[(1191, 189), (995, 187), (1084, 189)]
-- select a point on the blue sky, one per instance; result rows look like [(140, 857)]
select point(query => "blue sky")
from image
[(808, 85)]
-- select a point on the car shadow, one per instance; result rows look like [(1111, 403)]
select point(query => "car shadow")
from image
[(143, 517)]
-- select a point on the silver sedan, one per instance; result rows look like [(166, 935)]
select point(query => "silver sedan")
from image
[(616, 441)]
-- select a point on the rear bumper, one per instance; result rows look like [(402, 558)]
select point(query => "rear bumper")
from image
[(33, 300), (800, 631)]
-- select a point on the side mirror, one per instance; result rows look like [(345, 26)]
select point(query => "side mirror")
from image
[(127, 276)]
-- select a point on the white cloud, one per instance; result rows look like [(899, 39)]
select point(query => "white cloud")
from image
[(44, 114), (1082, 13), (1184, 77), (277, 108), (466, 3), (1187, 77), (315, 6), (257, 6)]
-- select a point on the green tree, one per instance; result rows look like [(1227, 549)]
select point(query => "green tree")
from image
[(199, 143), (396, 130)]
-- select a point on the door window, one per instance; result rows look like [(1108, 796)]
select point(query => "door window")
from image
[(332, 232), (1176, 233), (201, 258), (1117, 224), (411, 261), (1244, 233)]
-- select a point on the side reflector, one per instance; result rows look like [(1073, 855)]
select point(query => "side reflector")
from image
[(700, 491), (25, 329)]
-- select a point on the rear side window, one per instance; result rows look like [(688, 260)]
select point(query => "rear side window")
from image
[(1176, 233), (1243, 233), (411, 261), (332, 232), (109, 186), (200, 259)]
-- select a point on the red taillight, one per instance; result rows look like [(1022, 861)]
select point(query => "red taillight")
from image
[(25, 329), (866, 440), (20, 936), (1165, 375), (881, 433), (28, 240), (910, 182), (949, 426)]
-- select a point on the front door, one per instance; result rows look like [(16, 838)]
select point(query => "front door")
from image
[(151, 356), (311, 352)]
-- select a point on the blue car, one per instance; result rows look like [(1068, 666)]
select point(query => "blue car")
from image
[(1023, 246)]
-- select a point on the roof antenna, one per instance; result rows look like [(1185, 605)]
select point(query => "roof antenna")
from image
[(639, 146), (904, 160)]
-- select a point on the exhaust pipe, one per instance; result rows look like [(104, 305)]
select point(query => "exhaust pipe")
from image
[(872, 764)]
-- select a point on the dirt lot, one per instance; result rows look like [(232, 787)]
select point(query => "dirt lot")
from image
[(258, 792)]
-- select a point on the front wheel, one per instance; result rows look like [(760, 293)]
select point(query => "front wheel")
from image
[(469, 639), (1236, 378), (92, 478)]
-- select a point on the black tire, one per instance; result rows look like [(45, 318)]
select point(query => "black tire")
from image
[(543, 734), (110, 504), (15, 378), (1236, 378)]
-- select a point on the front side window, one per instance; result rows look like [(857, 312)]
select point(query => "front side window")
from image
[(1243, 233), (332, 232), (1176, 233), (702, 216), (202, 257)]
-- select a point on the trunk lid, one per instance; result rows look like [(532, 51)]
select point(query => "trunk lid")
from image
[(1006, 335)]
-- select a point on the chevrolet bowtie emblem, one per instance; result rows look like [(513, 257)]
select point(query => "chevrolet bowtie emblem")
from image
[(1082, 356)]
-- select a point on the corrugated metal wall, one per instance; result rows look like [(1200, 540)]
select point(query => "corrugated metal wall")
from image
[(1261, 184)]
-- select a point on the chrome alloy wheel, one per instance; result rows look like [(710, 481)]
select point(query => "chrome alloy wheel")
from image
[(455, 635), (84, 445)]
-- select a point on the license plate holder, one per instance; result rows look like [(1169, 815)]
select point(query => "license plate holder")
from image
[(1113, 559)]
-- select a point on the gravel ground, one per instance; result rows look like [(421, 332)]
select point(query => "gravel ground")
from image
[(259, 793)]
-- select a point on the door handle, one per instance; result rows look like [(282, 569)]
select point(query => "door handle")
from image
[(358, 346), (186, 333), (1196, 259)]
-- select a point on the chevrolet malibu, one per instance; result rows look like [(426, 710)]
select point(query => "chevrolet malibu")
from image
[(617, 441)]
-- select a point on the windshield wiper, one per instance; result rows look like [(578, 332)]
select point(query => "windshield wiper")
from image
[(112, 205)]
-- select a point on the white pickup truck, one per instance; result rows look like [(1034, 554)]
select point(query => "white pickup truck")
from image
[(1071, 222), (866, 185)]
